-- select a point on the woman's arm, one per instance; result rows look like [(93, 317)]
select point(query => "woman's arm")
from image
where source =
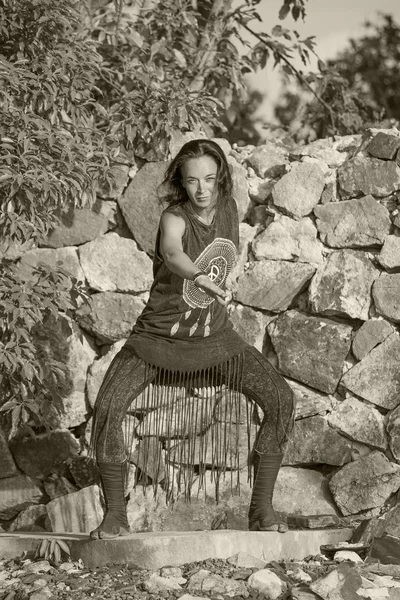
[(172, 230)]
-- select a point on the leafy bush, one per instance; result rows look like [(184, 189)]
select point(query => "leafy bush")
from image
[(34, 322)]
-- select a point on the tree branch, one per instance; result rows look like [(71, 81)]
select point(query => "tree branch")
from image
[(295, 71)]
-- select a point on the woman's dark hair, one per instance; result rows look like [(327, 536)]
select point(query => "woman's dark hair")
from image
[(172, 184)]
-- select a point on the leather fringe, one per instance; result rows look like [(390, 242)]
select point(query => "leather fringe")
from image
[(196, 417)]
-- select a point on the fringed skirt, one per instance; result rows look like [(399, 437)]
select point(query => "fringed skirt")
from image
[(177, 425)]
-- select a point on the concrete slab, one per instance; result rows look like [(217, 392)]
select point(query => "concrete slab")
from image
[(155, 550)]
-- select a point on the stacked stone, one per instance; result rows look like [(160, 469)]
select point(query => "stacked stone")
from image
[(316, 288)]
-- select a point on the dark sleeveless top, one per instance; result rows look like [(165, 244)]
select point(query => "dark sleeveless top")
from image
[(182, 328)]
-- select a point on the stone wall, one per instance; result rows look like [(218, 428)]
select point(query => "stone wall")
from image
[(316, 288)]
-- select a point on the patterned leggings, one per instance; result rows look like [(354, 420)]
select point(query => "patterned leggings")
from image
[(128, 376)]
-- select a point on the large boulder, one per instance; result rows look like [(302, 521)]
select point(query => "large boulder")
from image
[(310, 349), (141, 207), (233, 452), (302, 492), (353, 223), (17, 493), (390, 253), (81, 354), (246, 236), (386, 294), (299, 191), (365, 483), (110, 316), (268, 160), (309, 402), (370, 334), (38, 456), (272, 284), (31, 518), (359, 422), (80, 225), (67, 256), (360, 176), (314, 442), (114, 264), (289, 239), (384, 145), (393, 430), (342, 285), (250, 324), (376, 377), (324, 151), (80, 512), (240, 187)]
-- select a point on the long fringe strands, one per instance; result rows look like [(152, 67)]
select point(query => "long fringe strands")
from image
[(196, 419)]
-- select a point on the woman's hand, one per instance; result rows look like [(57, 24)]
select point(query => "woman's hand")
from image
[(204, 283)]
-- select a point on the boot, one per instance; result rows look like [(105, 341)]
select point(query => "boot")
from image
[(115, 522), (262, 516)]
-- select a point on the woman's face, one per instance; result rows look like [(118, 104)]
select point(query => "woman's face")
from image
[(199, 178)]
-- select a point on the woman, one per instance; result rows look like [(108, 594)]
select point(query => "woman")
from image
[(184, 341)]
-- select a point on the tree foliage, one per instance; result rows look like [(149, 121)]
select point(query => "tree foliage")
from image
[(358, 88), (79, 85)]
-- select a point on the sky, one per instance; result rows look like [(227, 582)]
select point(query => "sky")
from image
[(332, 22)]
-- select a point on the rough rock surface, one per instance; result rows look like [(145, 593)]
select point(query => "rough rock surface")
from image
[(393, 430), (110, 316), (360, 176), (360, 422), (298, 192), (288, 239), (30, 519), (114, 264), (289, 496), (8, 468), (141, 207), (80, 357), (272, 284), (370, 334), (68, 256), (324, 151), (266, 582), (386, 294), (310, 349), (250, 324), (339, 584), (17, 493), (37, 456), (58, 486), (314, 442), (82, 225), (353, 223), (376, 377), (240, 187), (188, 453), (390, 253), (98, 369), (205, 582), (384, 145), (268, 160), (309, 402), (246, 236), (365, 483), (80, 511), (342, 285)]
